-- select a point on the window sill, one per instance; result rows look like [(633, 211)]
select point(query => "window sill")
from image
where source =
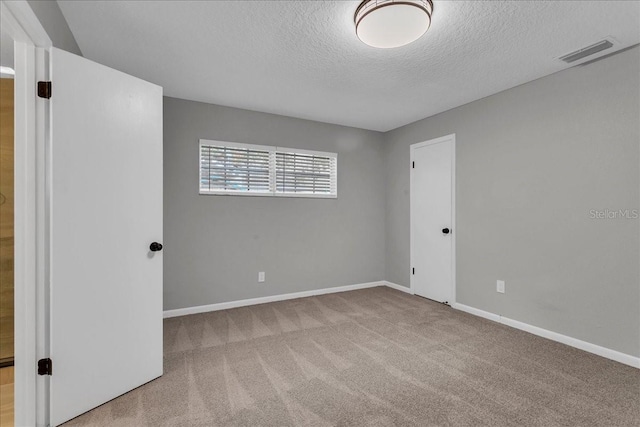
[(255, 194)]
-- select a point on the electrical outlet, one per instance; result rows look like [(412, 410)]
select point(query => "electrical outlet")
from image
[(261, 276), (500, 286)]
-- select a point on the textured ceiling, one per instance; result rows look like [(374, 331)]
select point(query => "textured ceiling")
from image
[(303, 59)]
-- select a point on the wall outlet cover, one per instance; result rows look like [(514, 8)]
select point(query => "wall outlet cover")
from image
[(261, 276), (500, 286)]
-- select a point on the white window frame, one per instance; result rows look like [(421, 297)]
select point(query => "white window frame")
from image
[(272, 169)]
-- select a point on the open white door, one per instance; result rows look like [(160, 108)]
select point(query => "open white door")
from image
[(105, 195)]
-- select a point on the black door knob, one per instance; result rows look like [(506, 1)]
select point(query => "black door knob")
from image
[(155, 247), (445, 231)]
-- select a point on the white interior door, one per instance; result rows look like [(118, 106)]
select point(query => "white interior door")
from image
[(432, 198), (105, 195)]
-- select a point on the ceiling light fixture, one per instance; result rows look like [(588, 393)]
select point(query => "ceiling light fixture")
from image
[(7, 70), (392, 23)]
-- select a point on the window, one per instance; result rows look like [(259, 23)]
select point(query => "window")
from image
[(230, 168), (234, 169)]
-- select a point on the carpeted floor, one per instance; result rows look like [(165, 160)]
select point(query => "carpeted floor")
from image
[(375, 357)]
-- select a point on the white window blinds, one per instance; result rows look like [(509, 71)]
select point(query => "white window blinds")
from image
[(305, 173), (233, 169), (245, 169)]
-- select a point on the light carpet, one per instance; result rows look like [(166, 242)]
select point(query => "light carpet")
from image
[(373, 357)]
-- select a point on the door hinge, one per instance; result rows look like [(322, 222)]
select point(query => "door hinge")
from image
[(45, 366), (413, 271), (44, 90), (413, 165)]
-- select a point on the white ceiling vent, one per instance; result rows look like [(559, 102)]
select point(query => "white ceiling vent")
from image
[(586, 51)]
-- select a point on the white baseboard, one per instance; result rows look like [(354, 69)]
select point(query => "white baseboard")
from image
[(398, 287), (263, 300), (626, 359), (476, 312)]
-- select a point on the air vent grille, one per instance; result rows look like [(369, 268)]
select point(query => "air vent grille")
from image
[(586, 51)]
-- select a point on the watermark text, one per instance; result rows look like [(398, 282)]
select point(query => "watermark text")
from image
[(614, 214)]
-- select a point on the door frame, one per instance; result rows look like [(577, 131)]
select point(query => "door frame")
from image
[(448, 138), (31, 44)]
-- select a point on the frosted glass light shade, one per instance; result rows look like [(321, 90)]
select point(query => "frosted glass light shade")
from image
[(392, 23)]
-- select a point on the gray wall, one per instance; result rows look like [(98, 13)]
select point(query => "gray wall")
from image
[(532, 162), (54, 23), (215, 245)]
